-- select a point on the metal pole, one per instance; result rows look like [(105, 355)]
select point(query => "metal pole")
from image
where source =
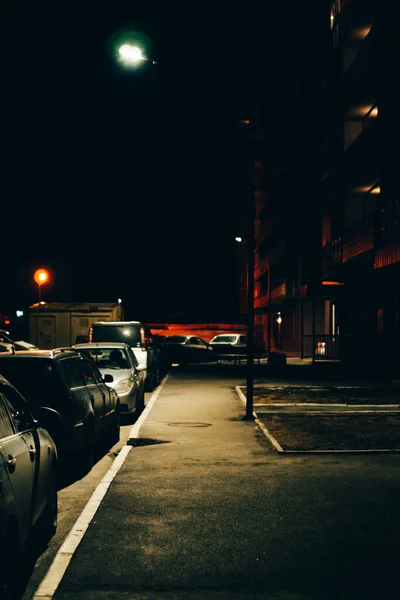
[(251, 243), (269, 310), (314, 341)]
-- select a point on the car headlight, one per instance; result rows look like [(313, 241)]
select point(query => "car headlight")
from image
[(124, 386)]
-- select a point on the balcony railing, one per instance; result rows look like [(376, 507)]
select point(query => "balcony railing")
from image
[(332, 256), (320, 347)]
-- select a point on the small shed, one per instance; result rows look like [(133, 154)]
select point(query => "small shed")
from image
[(57, 324)]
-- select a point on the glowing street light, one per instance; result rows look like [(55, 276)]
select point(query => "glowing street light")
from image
[(132, 56), (41, 276)]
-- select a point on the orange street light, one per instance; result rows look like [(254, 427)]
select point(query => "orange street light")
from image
[(41, 276)]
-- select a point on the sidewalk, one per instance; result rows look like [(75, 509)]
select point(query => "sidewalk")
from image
[(177, 513)]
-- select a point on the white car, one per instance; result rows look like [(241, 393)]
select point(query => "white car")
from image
[(28, 478), (139, 337), (234, 343), (118, 359)]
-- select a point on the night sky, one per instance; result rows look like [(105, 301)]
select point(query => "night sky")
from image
[(129, 183)]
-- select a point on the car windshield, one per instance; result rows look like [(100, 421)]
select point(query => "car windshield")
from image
[(36, 379), (109, 358), (128, 334), (176, 339), (223, 339)]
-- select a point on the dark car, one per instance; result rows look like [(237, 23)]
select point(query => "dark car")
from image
[(28, 482), (69, 383), (188, 349), (159, 342)]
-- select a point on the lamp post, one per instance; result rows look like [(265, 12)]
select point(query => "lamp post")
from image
[(251, 246)]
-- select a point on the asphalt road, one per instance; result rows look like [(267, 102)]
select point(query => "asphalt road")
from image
[(216, 513)]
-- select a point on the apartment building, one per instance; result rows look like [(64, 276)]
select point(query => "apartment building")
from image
[(327, 202), (351, 187), (287, 142)]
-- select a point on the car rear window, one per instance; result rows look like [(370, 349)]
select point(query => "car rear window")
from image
[(129, 334), (36, 379), (109, 358), (224, 339), (176, 339)]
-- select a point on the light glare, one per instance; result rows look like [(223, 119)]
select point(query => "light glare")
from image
[(130, 55)]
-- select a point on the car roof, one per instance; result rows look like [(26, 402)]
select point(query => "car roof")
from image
[(90, 345), (228, 334), (117, 323), (53, 353)]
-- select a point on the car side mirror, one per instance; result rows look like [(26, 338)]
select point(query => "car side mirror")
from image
[(108, 378), (140, 368)]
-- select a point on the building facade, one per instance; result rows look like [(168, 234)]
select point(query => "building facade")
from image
[(326, 193)]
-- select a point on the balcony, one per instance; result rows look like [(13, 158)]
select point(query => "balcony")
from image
[(332, 258), (261, 268), (357, 240), (357, 60), (261, 301)]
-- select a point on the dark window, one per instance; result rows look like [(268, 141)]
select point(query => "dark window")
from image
[(6, 427), (225, 339), (72, 373), (128, 334), (89, 373), (176, 339), (17, 408), (37, 379)]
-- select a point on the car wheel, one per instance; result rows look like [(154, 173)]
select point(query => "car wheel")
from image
[(51, 511), (9, 566)]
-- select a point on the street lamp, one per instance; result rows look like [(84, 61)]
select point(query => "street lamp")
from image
[(131, 56), (251, 246), (41, 276)]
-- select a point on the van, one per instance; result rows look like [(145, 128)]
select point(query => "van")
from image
[(139, 337)]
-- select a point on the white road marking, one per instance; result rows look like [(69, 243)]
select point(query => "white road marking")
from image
[(58, 567)]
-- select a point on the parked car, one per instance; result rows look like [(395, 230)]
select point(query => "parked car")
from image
[(186, 349), (139, 337), (18, 344), (28, 481), (225, 344), (5, 347), (70, 383), (159, 342), (117, 359)]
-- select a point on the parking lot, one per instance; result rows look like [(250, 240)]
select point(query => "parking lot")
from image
[(328, 417)]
